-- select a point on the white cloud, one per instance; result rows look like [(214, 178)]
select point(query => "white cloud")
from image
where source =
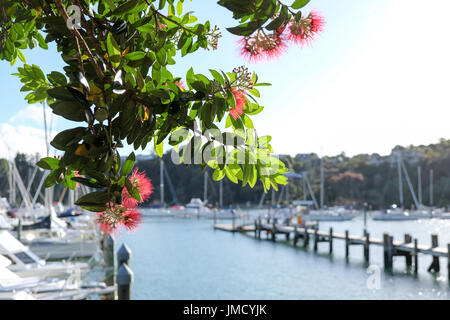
[(33, 115), (23, 139)]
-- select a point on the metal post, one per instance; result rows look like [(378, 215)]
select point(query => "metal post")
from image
[(123, 255), (124, 281), (110, 264)]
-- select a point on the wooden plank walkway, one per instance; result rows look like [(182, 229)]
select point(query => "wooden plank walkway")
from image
[(408, 248)]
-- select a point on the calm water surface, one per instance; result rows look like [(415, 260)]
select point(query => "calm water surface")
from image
[(174, 258)]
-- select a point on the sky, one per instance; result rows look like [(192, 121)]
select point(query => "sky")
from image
[(375, 78)]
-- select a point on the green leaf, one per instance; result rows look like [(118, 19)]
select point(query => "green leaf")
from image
[(134, 192), (129, 163), (57, 79), (21, 56), (113, 50), (298, 4), (246, 29), (93, 199), (218, 174), (217, 76), (48, 163), (70, 110), (159, 148), (230, 175), (68, 181), (92, 183), (179, 8), (126, 7), (66, 138), (133, 56)]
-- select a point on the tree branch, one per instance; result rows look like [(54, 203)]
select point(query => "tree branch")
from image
[(62, 11)]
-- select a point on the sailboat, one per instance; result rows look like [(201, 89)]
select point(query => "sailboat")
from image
[(395, 213), (326, 214)]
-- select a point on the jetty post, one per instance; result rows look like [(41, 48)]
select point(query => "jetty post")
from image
[(110, 264), (274, 230), (366, 246), (305, 237), (388, 251), (408, 256), (123, 255), (316, 240), (416, 257), (330, 239), (448, 262), (259, 227), (124, 276), (435, 265), (295, 236), (124, 280), (347, 244)]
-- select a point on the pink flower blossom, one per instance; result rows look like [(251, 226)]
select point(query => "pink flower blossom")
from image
[(131, 219), (144, 186), (304, 31), (263, 46), (239, 97), (317, 22)]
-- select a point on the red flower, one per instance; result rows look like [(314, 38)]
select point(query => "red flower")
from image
[(263, 45), (250, 49), (118, 215), (303, 32), (104, 221), (144, 186), (131, 219), (180, 85), (239, 97), (317, 22)]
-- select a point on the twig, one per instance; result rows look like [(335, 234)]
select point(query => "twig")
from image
[(65, 16)]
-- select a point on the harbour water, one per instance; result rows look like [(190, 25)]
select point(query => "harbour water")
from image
[(175, 258)]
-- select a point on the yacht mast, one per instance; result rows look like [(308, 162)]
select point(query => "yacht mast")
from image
[(161, 182), (418, 205), (321, 183), (431, 187), (221, 194), (400, 183), (419, 184), (310, 190), (205, 187)]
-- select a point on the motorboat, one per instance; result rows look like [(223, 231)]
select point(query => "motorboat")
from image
[(25, 263), (330, 214), (395, 214), (15, 287)]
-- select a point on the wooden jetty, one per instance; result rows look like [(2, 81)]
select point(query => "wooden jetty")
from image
[(408, 248)]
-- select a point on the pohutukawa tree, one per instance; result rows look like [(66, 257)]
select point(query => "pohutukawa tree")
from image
[(117, 86)]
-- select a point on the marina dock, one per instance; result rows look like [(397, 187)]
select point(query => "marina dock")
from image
[(408, 248)]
